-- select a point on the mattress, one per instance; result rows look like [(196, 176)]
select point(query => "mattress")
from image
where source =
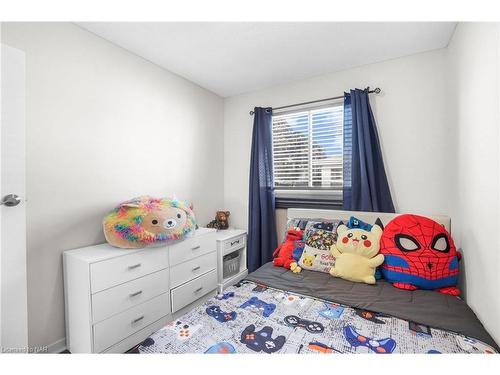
[(276, 311)]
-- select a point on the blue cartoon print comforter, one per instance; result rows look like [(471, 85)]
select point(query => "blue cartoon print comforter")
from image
[(252, 318)]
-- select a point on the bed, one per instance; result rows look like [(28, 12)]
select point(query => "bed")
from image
[(276, 311)]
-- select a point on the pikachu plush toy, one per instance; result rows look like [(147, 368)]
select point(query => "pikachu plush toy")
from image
[(356, 254)]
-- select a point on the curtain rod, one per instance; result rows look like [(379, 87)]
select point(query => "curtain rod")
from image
[(376, 91)]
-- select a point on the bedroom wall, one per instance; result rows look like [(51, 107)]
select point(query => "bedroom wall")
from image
[(412, 122), (103, 125), (474, 74)]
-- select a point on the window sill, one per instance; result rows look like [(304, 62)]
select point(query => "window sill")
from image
[(308, 203)]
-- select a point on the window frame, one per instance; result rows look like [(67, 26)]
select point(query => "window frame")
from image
[(310, 196)]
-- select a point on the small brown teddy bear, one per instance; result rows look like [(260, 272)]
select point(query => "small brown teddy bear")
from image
[(221, 220)]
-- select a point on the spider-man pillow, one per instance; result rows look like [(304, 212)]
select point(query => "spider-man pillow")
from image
[(419, 254)]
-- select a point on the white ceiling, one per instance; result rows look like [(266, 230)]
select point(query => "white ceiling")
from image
[(233, 58)]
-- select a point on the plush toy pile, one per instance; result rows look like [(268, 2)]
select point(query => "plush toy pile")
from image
[(145, 221), (412, 252)]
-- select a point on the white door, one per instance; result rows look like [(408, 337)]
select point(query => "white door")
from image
[(13, 291)]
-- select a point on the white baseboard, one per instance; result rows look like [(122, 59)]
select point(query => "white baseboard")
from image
[(57, 347)]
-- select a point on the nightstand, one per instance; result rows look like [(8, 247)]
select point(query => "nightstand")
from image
[(231, 243)]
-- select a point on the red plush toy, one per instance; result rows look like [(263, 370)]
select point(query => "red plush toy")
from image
[(419, 253), (283, 254)]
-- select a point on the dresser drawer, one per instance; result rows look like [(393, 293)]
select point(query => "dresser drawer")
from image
[(234, 243), (138, 336), (122, 297), (185, 294), (193, 268), (108, 273), (191, 248), (112, 330)]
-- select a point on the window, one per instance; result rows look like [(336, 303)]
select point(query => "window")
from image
[(308, 157)]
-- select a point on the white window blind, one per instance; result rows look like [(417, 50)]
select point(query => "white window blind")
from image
[(308, 150)]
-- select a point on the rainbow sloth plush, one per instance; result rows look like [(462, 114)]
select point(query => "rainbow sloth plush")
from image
[(145, 221)]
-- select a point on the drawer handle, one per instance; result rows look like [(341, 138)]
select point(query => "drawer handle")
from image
[(199, 289), (196, 268), (134, 266), (196, 247), (138, 319), (136, 293), (234, 242)]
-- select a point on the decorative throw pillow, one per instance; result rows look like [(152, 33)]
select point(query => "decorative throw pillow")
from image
[(316, 260), (329, 226), (321, 239)]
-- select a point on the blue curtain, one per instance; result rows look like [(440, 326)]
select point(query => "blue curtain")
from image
[(365, 181), (261, 215)]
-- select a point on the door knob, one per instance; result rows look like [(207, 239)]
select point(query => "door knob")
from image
[(10, 200)]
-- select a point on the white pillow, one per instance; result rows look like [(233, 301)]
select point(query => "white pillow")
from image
[(316, 260)]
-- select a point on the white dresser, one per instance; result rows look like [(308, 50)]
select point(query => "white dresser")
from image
[(115, 298)]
